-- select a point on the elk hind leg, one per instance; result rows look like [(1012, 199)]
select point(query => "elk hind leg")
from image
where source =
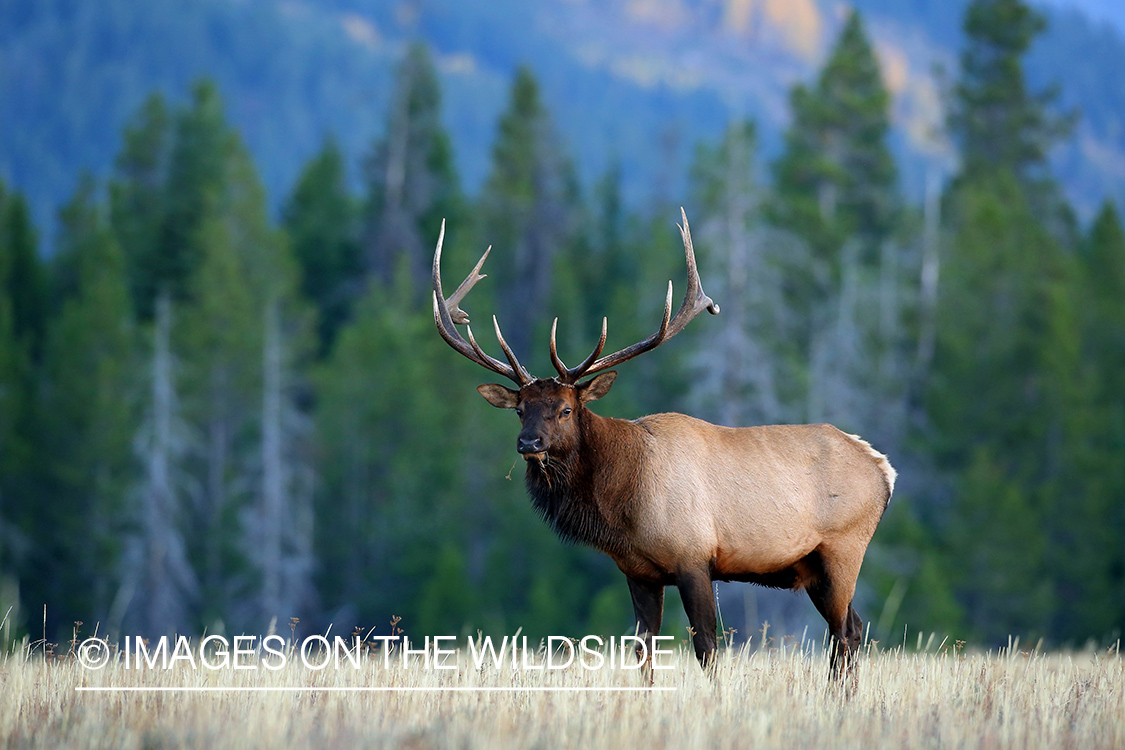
[(855, 630), (832, 594)]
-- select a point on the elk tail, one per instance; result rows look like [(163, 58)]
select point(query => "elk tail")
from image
[(889, 473)]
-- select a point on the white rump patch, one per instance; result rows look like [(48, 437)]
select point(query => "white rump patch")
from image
[(881, 460)]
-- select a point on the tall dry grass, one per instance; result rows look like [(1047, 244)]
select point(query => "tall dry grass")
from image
[(758, 699)]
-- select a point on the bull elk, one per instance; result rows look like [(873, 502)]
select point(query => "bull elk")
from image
[(674, 500)]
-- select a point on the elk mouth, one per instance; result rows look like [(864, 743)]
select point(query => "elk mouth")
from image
[(540, 457)]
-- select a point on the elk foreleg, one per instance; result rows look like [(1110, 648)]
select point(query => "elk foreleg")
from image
[(699, 602), (648, 606)]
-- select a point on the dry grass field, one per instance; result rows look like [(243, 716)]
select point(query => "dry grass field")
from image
[(777, 697)]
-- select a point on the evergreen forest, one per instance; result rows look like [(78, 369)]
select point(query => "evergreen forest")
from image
[(217, 416)]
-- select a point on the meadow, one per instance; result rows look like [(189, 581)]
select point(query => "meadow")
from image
[(761, 698)]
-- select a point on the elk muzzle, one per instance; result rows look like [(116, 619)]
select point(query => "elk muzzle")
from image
[(530, 444)]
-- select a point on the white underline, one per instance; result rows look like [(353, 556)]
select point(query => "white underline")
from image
[(361, 689)]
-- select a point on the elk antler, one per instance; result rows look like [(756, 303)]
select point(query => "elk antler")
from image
[(448, 312), (695, 301)]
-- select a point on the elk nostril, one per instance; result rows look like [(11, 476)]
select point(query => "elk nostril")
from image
[(534, 445)]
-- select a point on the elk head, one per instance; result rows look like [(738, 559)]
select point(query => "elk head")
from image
[(551, 409)]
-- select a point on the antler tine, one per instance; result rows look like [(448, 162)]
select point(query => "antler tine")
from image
[(695, 301), (524, 377), (571, 375), (476, 347), (437, 260), (470, 350), (455, 312), (653, 341), (558, 363), (443, 318)]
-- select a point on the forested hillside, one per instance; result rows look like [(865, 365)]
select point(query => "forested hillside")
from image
[(218, 416), (634, 83)]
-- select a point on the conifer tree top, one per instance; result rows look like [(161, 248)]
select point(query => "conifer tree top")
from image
[(999, 124)]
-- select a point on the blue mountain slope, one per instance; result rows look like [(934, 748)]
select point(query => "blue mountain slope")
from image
[(633, 81)]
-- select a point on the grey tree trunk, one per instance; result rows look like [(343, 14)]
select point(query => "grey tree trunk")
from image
[(746, 362), (931, 262), (273, 468), (159, 579), (283, 523)]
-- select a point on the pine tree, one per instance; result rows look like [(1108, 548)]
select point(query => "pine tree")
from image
[(997, 123), (526, 211), (137, 195), (169, 176), (1089, 518), (836, 178), (994, 404), (321, 220), (387, 420), (224, 513), (836, 190), (202, 145), (745, 351), (412, 183), (22, 316), (1010, 408), (243, 337), (219, 335), (27, 279), (16, 450), (87, 411)]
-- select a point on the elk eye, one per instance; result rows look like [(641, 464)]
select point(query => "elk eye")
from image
[(566, 411), (519, 412)]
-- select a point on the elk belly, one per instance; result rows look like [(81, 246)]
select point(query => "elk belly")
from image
[(762, 534)]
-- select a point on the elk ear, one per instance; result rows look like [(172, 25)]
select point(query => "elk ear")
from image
[(594, 389), (499, 396)]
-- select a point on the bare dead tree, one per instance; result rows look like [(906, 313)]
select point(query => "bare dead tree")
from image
[(282, 523), (159, 586)]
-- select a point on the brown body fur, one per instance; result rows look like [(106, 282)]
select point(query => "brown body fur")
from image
[(674, 500)]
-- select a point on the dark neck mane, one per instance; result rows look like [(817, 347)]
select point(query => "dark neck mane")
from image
[(587, 496)]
